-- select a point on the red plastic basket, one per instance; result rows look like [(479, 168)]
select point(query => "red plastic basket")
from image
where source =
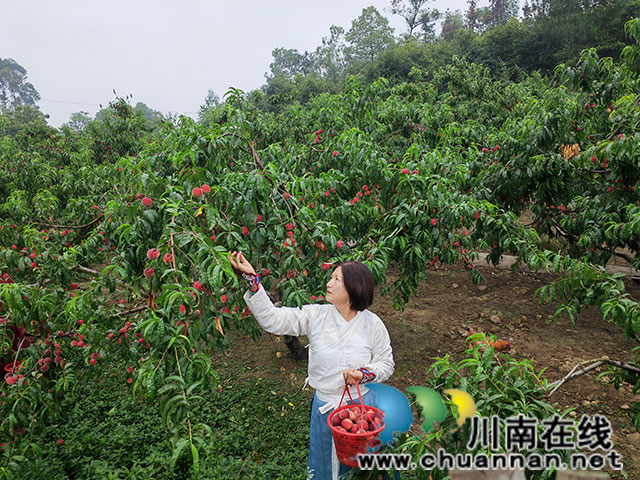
[(349, 445)]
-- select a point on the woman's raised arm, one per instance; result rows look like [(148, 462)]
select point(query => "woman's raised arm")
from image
[(277, 320)]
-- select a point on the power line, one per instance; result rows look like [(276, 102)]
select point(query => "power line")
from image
[(73, 103)]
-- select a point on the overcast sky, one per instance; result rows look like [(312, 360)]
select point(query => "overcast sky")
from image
[(168, 54)]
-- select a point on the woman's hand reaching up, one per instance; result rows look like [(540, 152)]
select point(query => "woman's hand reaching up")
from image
[(238, 262)]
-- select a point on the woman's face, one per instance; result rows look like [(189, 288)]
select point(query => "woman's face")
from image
[(336, 292)]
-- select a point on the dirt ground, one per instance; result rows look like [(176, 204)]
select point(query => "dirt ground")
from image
[(447, 303)]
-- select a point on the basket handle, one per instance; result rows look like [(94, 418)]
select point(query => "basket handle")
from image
[(346, 390)]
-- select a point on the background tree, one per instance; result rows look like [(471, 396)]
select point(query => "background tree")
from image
[(78, 121), (278, 90), (593, 24), (507, 50), (428, 21), (330, 57), (25, 119), (420, 19), (152, 118), (527, 13), (396, 62), (472, 16), (452, 22), (289, 62), (494, 37), (14, 89), (211, 102), (369, 35), (500, 11)]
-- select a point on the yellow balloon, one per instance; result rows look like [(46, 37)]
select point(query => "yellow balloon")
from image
[(464, 402)]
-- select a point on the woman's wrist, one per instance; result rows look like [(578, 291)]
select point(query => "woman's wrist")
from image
[(367, 374), (253, 281)]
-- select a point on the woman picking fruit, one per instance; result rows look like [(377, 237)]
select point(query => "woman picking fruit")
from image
[(347, 343)]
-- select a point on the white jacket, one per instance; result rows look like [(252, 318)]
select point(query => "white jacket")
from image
[(334, 343)]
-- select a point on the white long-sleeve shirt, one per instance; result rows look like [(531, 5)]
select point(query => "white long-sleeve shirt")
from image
[(335, 344)]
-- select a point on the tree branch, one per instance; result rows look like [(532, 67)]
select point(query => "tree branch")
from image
[(128, 312), (597, 363), (74, 227)]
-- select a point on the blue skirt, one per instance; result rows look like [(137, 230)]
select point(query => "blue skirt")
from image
[(319, 466)]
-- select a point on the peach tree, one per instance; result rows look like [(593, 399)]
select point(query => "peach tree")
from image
[(124, 255)]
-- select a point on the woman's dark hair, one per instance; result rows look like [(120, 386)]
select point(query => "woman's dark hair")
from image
[(359, 283)]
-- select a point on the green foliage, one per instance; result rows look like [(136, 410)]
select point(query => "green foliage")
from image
[(493, 36), (405, 174), (24, 120), (499, 385), (419, 18), (369, 34), (120, 130), (15, 91), (108, 433)]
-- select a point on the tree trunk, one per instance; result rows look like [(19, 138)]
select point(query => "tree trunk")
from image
[(297, 350), (293, 344)]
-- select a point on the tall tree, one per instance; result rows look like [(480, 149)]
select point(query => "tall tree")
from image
[(330, 57), (369, 35), (420, 19), (527, 12), (452, 22), (428, 20), (15, 91), (472, 16), (78, 121), (22, 119), (288, 62), (153, 118), (500, 11), (211, 101)]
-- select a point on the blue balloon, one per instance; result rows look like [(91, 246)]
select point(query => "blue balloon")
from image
[(398, 416)]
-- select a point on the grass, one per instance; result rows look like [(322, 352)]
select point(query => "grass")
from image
[(259, 431)]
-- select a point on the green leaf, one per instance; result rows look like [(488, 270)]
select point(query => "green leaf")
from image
[(176, 452)]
